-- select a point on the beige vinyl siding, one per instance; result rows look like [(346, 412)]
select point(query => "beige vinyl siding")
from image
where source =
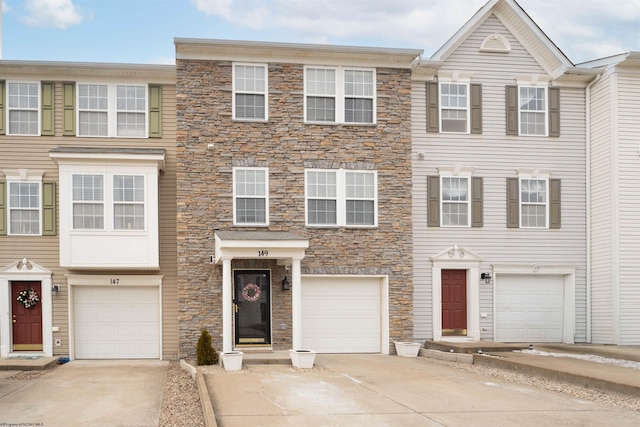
[(33, 153), (629, 208), (495, 156), (603, 220)]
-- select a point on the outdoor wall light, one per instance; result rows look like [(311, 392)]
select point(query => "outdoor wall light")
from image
[(54, 290), (486, 277), (285, 284)]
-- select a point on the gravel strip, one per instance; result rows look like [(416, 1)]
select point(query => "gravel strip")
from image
[(181, 406), (614, 399)]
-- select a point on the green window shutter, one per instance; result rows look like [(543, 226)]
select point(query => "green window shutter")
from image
[(69, 109), (2, 112), (48, 208), (3, 208), (554, 203), (155, 111), (47, 109), (512, 110), (476, 108), (433, 117), (554, 111), (433, 201), (476, 202), (513, 203)]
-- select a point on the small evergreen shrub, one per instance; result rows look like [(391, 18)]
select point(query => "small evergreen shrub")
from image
[(206, 355)]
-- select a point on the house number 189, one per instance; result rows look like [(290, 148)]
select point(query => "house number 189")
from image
[(263, 253)]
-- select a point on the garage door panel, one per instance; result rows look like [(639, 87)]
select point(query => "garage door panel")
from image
[(341, 315), (529, 308), (116, 323)]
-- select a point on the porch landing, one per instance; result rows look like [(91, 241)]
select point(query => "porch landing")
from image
[(27, 363), (472, 347)]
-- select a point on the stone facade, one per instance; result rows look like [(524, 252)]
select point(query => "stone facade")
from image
[(210, 144)]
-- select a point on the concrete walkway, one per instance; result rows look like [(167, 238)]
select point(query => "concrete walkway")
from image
[(380, 390), (87, 393)]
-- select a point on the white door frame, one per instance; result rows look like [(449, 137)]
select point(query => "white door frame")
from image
[(25, 270), (457, 258)]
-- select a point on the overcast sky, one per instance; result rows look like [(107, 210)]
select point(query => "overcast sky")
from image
[(142, 31)]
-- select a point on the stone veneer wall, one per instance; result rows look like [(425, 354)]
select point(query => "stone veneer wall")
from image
[(287, 146)]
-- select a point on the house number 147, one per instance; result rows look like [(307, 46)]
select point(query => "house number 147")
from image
[(114, 281)]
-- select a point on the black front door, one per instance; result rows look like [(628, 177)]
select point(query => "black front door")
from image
[(252, 300)]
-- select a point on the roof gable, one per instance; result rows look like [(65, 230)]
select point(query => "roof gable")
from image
[(521, 26)]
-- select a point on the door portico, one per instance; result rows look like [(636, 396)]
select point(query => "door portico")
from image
[(288, 249)]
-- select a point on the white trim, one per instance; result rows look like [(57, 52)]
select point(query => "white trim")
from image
[(264, 93), (340, 95), (265, 197), (38, 109), (37, 273), (534, 85), (29, 177), (533, 177), (466, 202), (123, 280), (235, 291), (457, 258), (112, 109), (569, 279)]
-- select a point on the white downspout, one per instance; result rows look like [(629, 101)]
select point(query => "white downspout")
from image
[(588, 198)]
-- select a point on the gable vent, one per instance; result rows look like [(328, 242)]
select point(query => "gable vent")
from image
[(495, 43)]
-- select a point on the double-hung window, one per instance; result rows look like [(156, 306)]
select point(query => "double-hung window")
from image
[(533, 201), (454, 107), (340, 95), (250, 196), (455, 199), (533, 110), (128, 202), (23, 101), (88, 202), (341, 198), (24, 207), (112, 110), (250, 85)]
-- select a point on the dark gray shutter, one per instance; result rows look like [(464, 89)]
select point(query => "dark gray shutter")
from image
[(476, 202), (476, 108), (3, 208), (433, 201), (554, 203), (69, 109), (512, 110), (554, 111), (513, 203), (433, 117), (47, 113), (48, 208)]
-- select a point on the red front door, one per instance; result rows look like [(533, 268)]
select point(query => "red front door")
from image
[(27, 322), (454, 302)]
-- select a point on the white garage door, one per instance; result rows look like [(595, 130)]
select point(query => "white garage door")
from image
[(529, 308), (116, 322), (341, 315)]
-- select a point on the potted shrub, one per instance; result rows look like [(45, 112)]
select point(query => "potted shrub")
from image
[(302, 359)]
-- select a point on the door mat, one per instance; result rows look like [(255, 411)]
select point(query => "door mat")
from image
[(25, 357)]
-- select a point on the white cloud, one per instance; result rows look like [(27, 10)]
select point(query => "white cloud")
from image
[(583, 29), (53, 13)]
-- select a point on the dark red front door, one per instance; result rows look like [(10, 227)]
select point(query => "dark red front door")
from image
[(27, 322), (454, 302)]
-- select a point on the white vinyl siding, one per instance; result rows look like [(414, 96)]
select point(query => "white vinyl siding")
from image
[(112, 110), (23, 102), (250, 92), (495, 157), (340, 95), (251, 196)]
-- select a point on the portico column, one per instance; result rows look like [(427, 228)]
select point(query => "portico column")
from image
[(227, 307), (296, 304)]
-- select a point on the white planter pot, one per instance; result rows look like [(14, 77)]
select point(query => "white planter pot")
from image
[(407, 349), (232, 360), (303, 359)]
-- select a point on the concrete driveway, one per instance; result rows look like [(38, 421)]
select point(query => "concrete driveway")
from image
[(87, 393), (379, 390)]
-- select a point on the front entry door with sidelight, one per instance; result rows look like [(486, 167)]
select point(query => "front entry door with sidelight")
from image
[(252, 302), (454, 302), (26, 322)]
